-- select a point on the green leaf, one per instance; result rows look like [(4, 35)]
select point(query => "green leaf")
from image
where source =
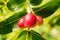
[(56, 14), (6, 29), (1, 4), (35, 2), (47, 9), (13, 18), (36, 36), (14, 34), (58, 22), (50, 4), (22, 36), (30, 35), (6, 25), (54, 21), (15, 5)]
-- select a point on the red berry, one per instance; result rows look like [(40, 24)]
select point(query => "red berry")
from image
[(29, 20), (21, 23), (39, 19)]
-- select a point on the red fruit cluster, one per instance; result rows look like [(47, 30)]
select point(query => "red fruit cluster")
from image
[(39, 19), (29, 21)]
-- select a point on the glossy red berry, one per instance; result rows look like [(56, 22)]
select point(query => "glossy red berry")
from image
[(39, 19), (29, 20), (21, 23)]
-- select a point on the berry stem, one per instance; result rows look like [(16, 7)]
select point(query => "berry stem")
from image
[(29, 9), (28, 29)]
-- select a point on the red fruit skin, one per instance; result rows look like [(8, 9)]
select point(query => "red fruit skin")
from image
[(21, 23), (39, 19), (29, 20)]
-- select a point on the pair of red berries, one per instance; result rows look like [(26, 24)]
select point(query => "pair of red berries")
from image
[(29, 21)]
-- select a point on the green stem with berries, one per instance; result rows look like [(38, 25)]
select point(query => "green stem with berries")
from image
[(29, 9)]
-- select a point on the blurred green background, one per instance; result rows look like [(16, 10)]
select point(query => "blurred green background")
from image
[(12, 10)]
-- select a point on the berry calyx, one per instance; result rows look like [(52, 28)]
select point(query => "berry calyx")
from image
[(39, 19), (21, 23), (29, 20)]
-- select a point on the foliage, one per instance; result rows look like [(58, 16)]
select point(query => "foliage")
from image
[(12, 10)]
